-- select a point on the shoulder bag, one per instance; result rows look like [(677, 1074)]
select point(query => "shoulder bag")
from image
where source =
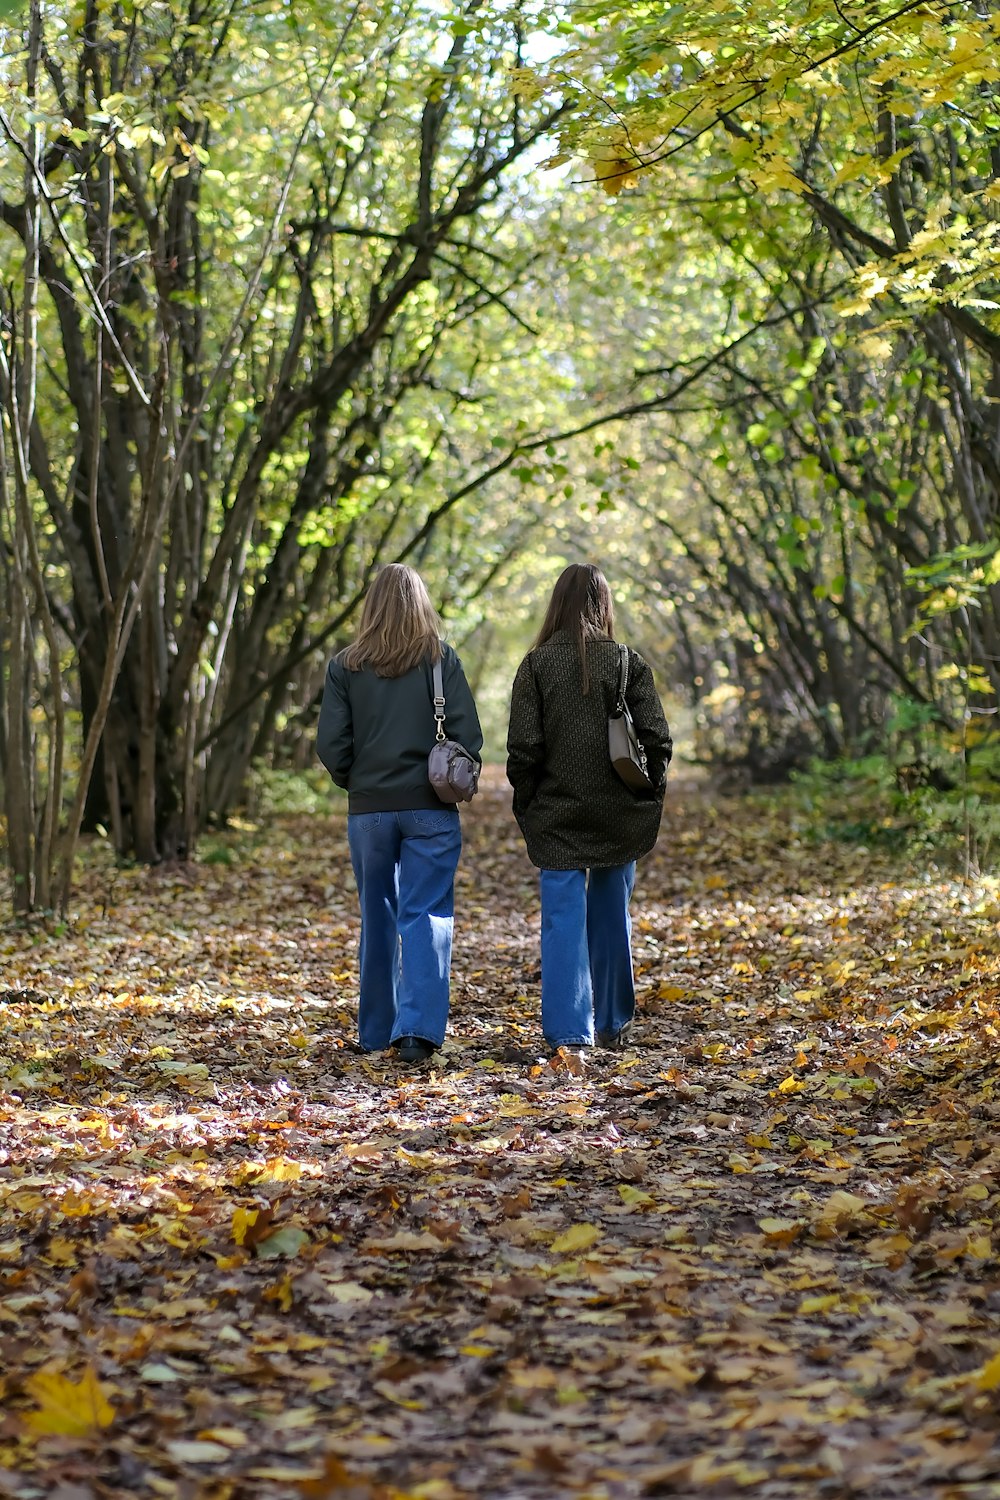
[(628, 758), (453, 772)]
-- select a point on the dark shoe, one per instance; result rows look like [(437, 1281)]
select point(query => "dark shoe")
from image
[(615, 1041), (413, 1049)]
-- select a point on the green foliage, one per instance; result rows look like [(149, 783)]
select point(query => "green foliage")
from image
[(273, 792), (806, 209), (218, 854), (295, 239), (757, 387), (927, 791)]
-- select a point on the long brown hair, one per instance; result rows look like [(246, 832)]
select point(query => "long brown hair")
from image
[(582, 604), (399, 625)]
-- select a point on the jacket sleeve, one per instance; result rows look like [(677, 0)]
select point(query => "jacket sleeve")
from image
[(525, 738), (461, 716), (647, 715), (335, 736)]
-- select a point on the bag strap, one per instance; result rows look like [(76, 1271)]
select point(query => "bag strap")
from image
[(622, 680), (438, 701)]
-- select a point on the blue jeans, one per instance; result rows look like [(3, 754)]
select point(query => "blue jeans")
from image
[(404, 865), (587, 980)]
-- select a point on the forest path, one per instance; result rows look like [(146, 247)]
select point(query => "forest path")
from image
[(756, 1253)]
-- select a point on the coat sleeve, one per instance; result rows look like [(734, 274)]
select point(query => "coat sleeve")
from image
[(335, 736), (525, 738), (647, 715), (461, 716)]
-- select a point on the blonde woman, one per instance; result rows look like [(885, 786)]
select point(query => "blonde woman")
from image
[(376, 729)]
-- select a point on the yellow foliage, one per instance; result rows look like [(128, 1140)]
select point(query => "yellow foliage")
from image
[(68, 1408), (243, 1221), (988, 1378), (615, 173)]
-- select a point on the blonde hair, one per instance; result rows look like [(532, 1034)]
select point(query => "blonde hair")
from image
[(399, 625)]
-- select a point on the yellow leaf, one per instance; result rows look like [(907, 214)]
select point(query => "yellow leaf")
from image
[(175, 1232), (776, 172), (275, 1169), (614, 173), (406, 1239), (75, 1205), (577, 1237), (280, 1169), (633, 1197), (243, 1220), (281, 1292), (67, 1407), (819, 1304), (988, 1378), (853, 168), (350, 1291), (841, 1213), (841, 1204), (783, 1231), (513, 1107), (967, 44), (61, 1252), (671, 992), (230, 1262), (791, 1086), (232, 1437)]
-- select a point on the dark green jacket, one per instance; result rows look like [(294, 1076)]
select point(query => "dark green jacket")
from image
[(574, 811), (375, 733)]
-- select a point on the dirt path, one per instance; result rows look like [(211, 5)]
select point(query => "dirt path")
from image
[(757, 1253)]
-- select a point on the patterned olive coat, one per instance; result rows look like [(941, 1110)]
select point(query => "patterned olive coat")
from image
[(574, 811)]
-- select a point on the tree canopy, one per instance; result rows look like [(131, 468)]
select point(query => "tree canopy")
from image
[(292, 291)]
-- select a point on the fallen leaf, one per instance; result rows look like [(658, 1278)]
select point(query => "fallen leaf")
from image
[(196, 1451), (577, 1237), (71, 1408)]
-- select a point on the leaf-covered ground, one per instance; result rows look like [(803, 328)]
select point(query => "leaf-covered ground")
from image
[(757, 1253)]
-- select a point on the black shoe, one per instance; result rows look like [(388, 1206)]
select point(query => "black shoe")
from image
[(413, 1049), (614, 1041)]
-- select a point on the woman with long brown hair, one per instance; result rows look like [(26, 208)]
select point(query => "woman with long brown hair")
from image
[(376, 728), (583, 827)]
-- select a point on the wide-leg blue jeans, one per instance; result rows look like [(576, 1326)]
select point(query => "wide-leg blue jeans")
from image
[(587, 978), (404, 865)]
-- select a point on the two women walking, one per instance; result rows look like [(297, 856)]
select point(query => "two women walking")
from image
[(583, 828)]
